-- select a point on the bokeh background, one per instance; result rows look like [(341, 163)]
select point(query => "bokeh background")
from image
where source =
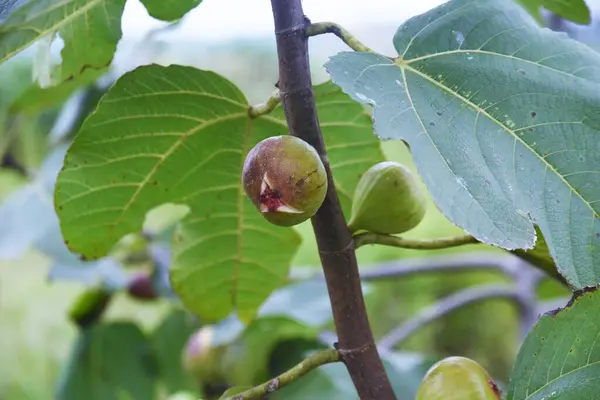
[(233, 38)]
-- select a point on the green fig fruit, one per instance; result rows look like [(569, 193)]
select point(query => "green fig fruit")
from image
[(285, 179), (89, 305), (183, 395), (201, 358), (387, 200), (457, 378)]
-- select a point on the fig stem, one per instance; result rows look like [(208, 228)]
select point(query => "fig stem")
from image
[(320, 28), (266, 107), (334, 241), (315, 361), (363, 239)]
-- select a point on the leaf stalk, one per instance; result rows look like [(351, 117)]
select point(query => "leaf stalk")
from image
[(320, 28), (265, 108), (363, 239)]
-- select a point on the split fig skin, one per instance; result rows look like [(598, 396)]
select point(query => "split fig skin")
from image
[(387, 200), (458, 378), (285, 179)]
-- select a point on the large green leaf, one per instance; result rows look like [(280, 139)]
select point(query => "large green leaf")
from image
[(347, 131), (177, 134), (7, 7), (533, 8), (110, 361), (89, 28), (168, 341), (169, 10), (559, 358), (540, 257), (574, 10), (502, 120)]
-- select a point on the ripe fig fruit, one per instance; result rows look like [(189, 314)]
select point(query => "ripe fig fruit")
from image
[(387, 200), (285, 179), (201, 358), (141, 287), (457, 378)]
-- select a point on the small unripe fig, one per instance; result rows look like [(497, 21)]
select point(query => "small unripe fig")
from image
[(387, 200), (141, 287), (285, 179), (457, 378), (89, 305), (183, 395), (201, 358)]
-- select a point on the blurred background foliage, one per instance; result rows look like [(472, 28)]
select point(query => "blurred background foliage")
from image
[(39, 283)]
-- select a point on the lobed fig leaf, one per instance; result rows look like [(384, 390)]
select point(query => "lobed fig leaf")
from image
[(285, 179), (387, 200), (457, 378)]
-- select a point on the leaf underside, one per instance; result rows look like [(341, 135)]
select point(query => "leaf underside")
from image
[(560, 358), (503, 120), (180, 135)]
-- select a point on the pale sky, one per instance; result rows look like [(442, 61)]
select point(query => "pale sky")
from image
[(216, 20)]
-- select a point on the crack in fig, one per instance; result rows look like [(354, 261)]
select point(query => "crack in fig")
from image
[(271, 199)]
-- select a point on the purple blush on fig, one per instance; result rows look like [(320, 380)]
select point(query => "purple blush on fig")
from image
[(285, 179)]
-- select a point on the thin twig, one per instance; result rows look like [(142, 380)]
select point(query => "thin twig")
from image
[(481, 260), (265, 108), (321, 28), (334, 240), (363, 239), (446, 306), (316, 360)]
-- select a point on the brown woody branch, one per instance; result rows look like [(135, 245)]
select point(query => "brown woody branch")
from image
[(334, 240)]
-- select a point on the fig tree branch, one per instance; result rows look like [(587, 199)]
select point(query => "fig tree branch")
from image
[(446, 306), (265, 108), (315, 361), (334, 240), (320, 28), (449, 263), (363, 239)]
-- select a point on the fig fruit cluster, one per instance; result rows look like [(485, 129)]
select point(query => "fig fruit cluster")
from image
[(285, 179), (457, 378), (387, 200)]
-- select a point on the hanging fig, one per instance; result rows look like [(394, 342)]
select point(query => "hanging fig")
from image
[(141, 287), (201, 357), (387, 200), (457, 378), (285, 179), (89, 305)]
